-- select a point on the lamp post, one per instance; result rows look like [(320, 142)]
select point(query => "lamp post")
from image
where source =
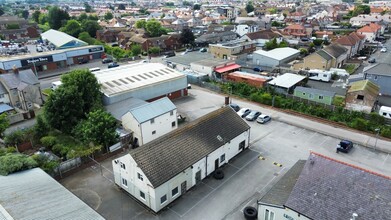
[(35, 69), (377, 136), (230, 94)]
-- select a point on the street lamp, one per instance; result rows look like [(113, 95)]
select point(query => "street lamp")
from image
[(377, 136), (230, 94)]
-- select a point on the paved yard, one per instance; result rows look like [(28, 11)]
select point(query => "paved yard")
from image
[(247, 177)]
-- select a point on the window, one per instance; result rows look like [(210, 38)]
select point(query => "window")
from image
[(360, 97), (171, 113), (142, 195), (153, 132), (174, 192), (241, 145), (311, 96), (173, 124), (269, 215), (303, 93), (140, 177), (1, 96), (222, 158), (375, 77), (124, 182), (152, 120), (163, 199), (320, 97), (122, 166)]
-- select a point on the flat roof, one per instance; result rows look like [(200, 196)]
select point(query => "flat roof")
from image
[(278, 53), (46, 53), (133, 76), (33, 194), (287, 80), (211, 62), (190, 57)]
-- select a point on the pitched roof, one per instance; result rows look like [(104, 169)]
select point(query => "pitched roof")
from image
[(167, 156), (280, 192), (325, 55), (315, 91), (278, 53), (364, 85), (152, 110), (331, 189), (335, 50), (13, 81), (296, 27), (264, 34), (61, 39), (379, 69), (287, 80)]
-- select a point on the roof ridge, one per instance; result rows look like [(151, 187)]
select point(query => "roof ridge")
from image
[(351, 165)]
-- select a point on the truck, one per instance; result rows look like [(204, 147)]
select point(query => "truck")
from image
[(56, 84)]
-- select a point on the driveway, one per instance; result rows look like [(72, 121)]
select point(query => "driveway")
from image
[(247, 177)]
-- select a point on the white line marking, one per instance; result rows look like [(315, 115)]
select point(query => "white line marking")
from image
[(385, 160)]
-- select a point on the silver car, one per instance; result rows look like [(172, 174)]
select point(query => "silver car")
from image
[(262, 119)]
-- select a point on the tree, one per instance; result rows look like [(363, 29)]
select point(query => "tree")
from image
[(187, 36), (87, 7), (303, 51), (82, 17), (317, 42), (196, 7), (72, 28), (85, 36), (132, 4), (14, 162), (141, 24), (154, 28), (41, 127), (71, 102), (93, 17), (136, 50), (186, 3), (4, 123), (271, 44), (1, 11), (35, 16), (249, 7), (57, 17), (121, 7), (361, 9), (25, 14), (98, 128), (91, 27), (108, 16), (43, 19)]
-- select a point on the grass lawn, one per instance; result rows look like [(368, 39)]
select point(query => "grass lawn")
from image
[(350, 68), (47, 91)]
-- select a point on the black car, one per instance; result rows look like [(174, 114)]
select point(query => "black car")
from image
[(234, 107), (82, 60), (107, 60), (112, 65), (257, 69), (344, 146), (169, 54)]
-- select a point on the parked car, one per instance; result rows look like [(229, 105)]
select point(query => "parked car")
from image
[(262, 119), (112, 65), (234, 107), (189, 49), (169, 54), (372, 60), (253, 115), (39, 49), (257, 69), (344, 146), (107, 60), (243, 112), (383, 50), (82, 60), (203, 50)]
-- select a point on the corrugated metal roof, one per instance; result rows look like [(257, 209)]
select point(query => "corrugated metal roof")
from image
[(118, 109), (133, 76), (316, 91), (33, 194), (5, 108), (59, 38), (278, 53), (152, 110), (287, 80)]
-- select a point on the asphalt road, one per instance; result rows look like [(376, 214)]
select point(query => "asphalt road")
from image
[(284, 140)]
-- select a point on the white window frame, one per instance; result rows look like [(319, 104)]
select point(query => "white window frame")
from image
[(162, 202), (140, 177), (141, 195), (173, 195), (269, 215), (124, 182)]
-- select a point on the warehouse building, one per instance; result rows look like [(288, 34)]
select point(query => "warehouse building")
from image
[(275, 57), (145, 81)]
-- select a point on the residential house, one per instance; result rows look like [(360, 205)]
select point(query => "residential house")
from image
[(287, 82), (213, 38), (208, 20), (316, 95), (179, 24), (324, 34), (354, 42), (275, 57), (249, 27), (296, 30), (194, 22), (310, 189), (23, 89), (151, 120), (227, 11), (109, 35), (13, 28), (262, 37), (380, 74), (362, 20), (4, 95), (232, 50), (162, 170), (164, 42), (371, 31), (362, 96), (339, 54), (296, 17), (333, 56)]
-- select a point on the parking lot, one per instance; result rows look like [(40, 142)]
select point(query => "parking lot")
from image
[(247, 177)]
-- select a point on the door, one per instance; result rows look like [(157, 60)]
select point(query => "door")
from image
[(216, 163), (198, 177), (183, 188)]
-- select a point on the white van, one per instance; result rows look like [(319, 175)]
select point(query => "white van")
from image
[(320, 75), (94, 69), (56, 84), (385, 111)]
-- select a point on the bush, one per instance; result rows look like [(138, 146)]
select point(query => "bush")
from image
[(359, 124), (48, 141), (45, 163), (14, 138), (13, 162)]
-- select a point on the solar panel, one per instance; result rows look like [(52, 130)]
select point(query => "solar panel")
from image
[(129, 79)]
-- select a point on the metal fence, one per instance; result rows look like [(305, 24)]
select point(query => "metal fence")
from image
[(68, 165)]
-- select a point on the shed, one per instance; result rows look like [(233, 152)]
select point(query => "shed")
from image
[(287, 82), (362, 96), (275, 57), (249, 78), (316, 95)]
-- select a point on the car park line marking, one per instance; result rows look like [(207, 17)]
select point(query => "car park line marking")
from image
[(384, 161), (261, 158), (277, 164), (259, 191)]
